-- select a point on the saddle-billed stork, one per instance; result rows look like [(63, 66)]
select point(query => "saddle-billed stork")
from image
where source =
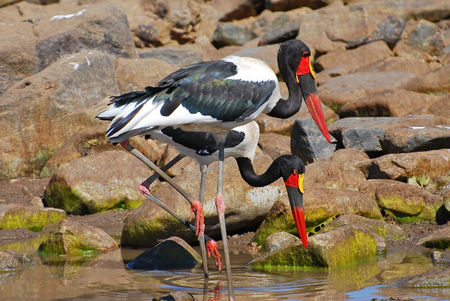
[(217, 96)]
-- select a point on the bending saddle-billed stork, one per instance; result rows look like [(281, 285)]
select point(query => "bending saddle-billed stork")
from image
[(217, 96), (241, 144)]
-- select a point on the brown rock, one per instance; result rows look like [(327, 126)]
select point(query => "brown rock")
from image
[(347, 61), (430, 164), (408, 64), (438, 239), (352, 25), (97, 182), (348, 88), (432, 10), (134, 75), (418, 38), (274, 145), (322, 204), (403, 200), (47, 108), (435, 81), (440, 107), (71, 238), (390, 102), (235, 9), (333, 175)]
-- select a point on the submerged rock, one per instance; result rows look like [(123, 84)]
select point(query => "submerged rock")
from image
[(434, 279), (72, 238), (170, 254), (8, 263)]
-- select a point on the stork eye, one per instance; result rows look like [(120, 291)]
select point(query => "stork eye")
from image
[(305, 53), (295, 171)]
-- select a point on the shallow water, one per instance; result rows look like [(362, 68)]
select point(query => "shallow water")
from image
[(105, 278)]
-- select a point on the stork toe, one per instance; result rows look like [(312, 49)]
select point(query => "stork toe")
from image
[(197, 208)]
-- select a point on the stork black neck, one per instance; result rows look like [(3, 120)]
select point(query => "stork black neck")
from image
[(285, 108), (249, 175)]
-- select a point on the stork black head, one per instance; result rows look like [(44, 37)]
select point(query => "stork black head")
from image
[(292, 170), (295, 67)]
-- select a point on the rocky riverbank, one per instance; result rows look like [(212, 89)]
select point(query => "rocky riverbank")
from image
[(382, 74)]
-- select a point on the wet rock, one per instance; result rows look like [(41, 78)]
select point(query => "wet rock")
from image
[(49, 107), (322, 204), (8, 263), (72, 238), (427, 169), (274, 145), (380, 227), (13, 216), (170, 254), (246, 206), (338, 26), (404, 202), (392, 135), (348, 88), (280, 30), (179, 56), (227, 34), (92, 184), (439, 239), (381, 104), (434, 279), (441, 257), (277, 241), (308, 143), (340, 62), (420, 37), (337, 247)]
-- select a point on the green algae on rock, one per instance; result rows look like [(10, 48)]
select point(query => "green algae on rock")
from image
[(32, 218), (342, 246), (71, 238)]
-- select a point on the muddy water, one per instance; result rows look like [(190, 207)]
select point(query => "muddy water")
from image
[(105, 278)]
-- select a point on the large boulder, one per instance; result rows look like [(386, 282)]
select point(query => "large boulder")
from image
[(59, 31), (438, 239), (98, 182), (47, 108)]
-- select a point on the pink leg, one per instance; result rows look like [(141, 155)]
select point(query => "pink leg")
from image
[(143, 188), (220, 204), (197, 208)]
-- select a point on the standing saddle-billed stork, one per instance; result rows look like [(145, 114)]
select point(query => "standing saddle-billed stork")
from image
[(217, 96)]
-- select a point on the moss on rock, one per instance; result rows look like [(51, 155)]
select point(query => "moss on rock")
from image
[(34, 219)]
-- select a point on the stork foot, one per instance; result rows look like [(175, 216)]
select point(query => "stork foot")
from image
[(197, 208), (143, 188), (213, 250)]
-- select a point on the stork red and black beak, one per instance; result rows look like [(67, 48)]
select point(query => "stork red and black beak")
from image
[(294, 187), (306, 80)]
